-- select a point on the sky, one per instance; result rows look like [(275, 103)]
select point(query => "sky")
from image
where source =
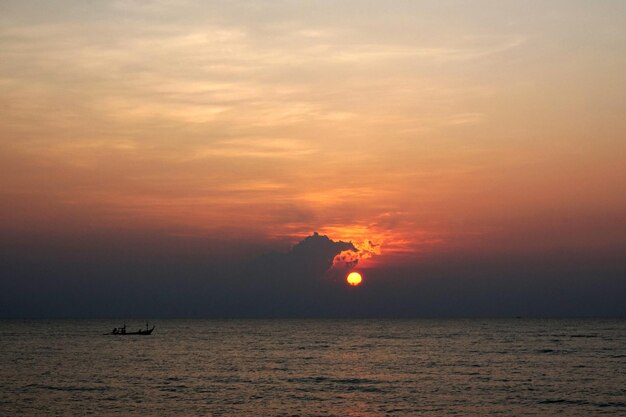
[(467, 157)]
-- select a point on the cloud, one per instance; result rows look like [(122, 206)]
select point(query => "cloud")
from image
[(306, 263), (349, 259)]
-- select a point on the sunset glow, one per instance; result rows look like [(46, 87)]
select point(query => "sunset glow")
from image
[(425, 135)]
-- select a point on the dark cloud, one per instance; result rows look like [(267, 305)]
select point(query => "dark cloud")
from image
[(308, 261), (298, 281), (197, 280), (314, 255)]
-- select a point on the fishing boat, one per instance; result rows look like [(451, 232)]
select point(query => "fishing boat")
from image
[(121, 331)]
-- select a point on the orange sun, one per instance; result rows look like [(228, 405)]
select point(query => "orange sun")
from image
[(354, 279)]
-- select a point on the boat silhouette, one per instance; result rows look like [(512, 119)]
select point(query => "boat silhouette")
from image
[(121, 331)]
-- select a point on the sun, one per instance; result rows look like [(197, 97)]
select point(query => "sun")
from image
[(354, 279)]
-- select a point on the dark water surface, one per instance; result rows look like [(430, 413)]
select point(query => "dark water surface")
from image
[(315, 368)]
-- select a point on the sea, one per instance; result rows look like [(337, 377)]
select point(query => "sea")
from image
[(512, 367)]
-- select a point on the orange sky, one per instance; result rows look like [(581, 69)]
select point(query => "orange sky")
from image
[(425, 127)]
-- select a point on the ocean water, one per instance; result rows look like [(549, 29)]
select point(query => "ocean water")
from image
[(314, 368)]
